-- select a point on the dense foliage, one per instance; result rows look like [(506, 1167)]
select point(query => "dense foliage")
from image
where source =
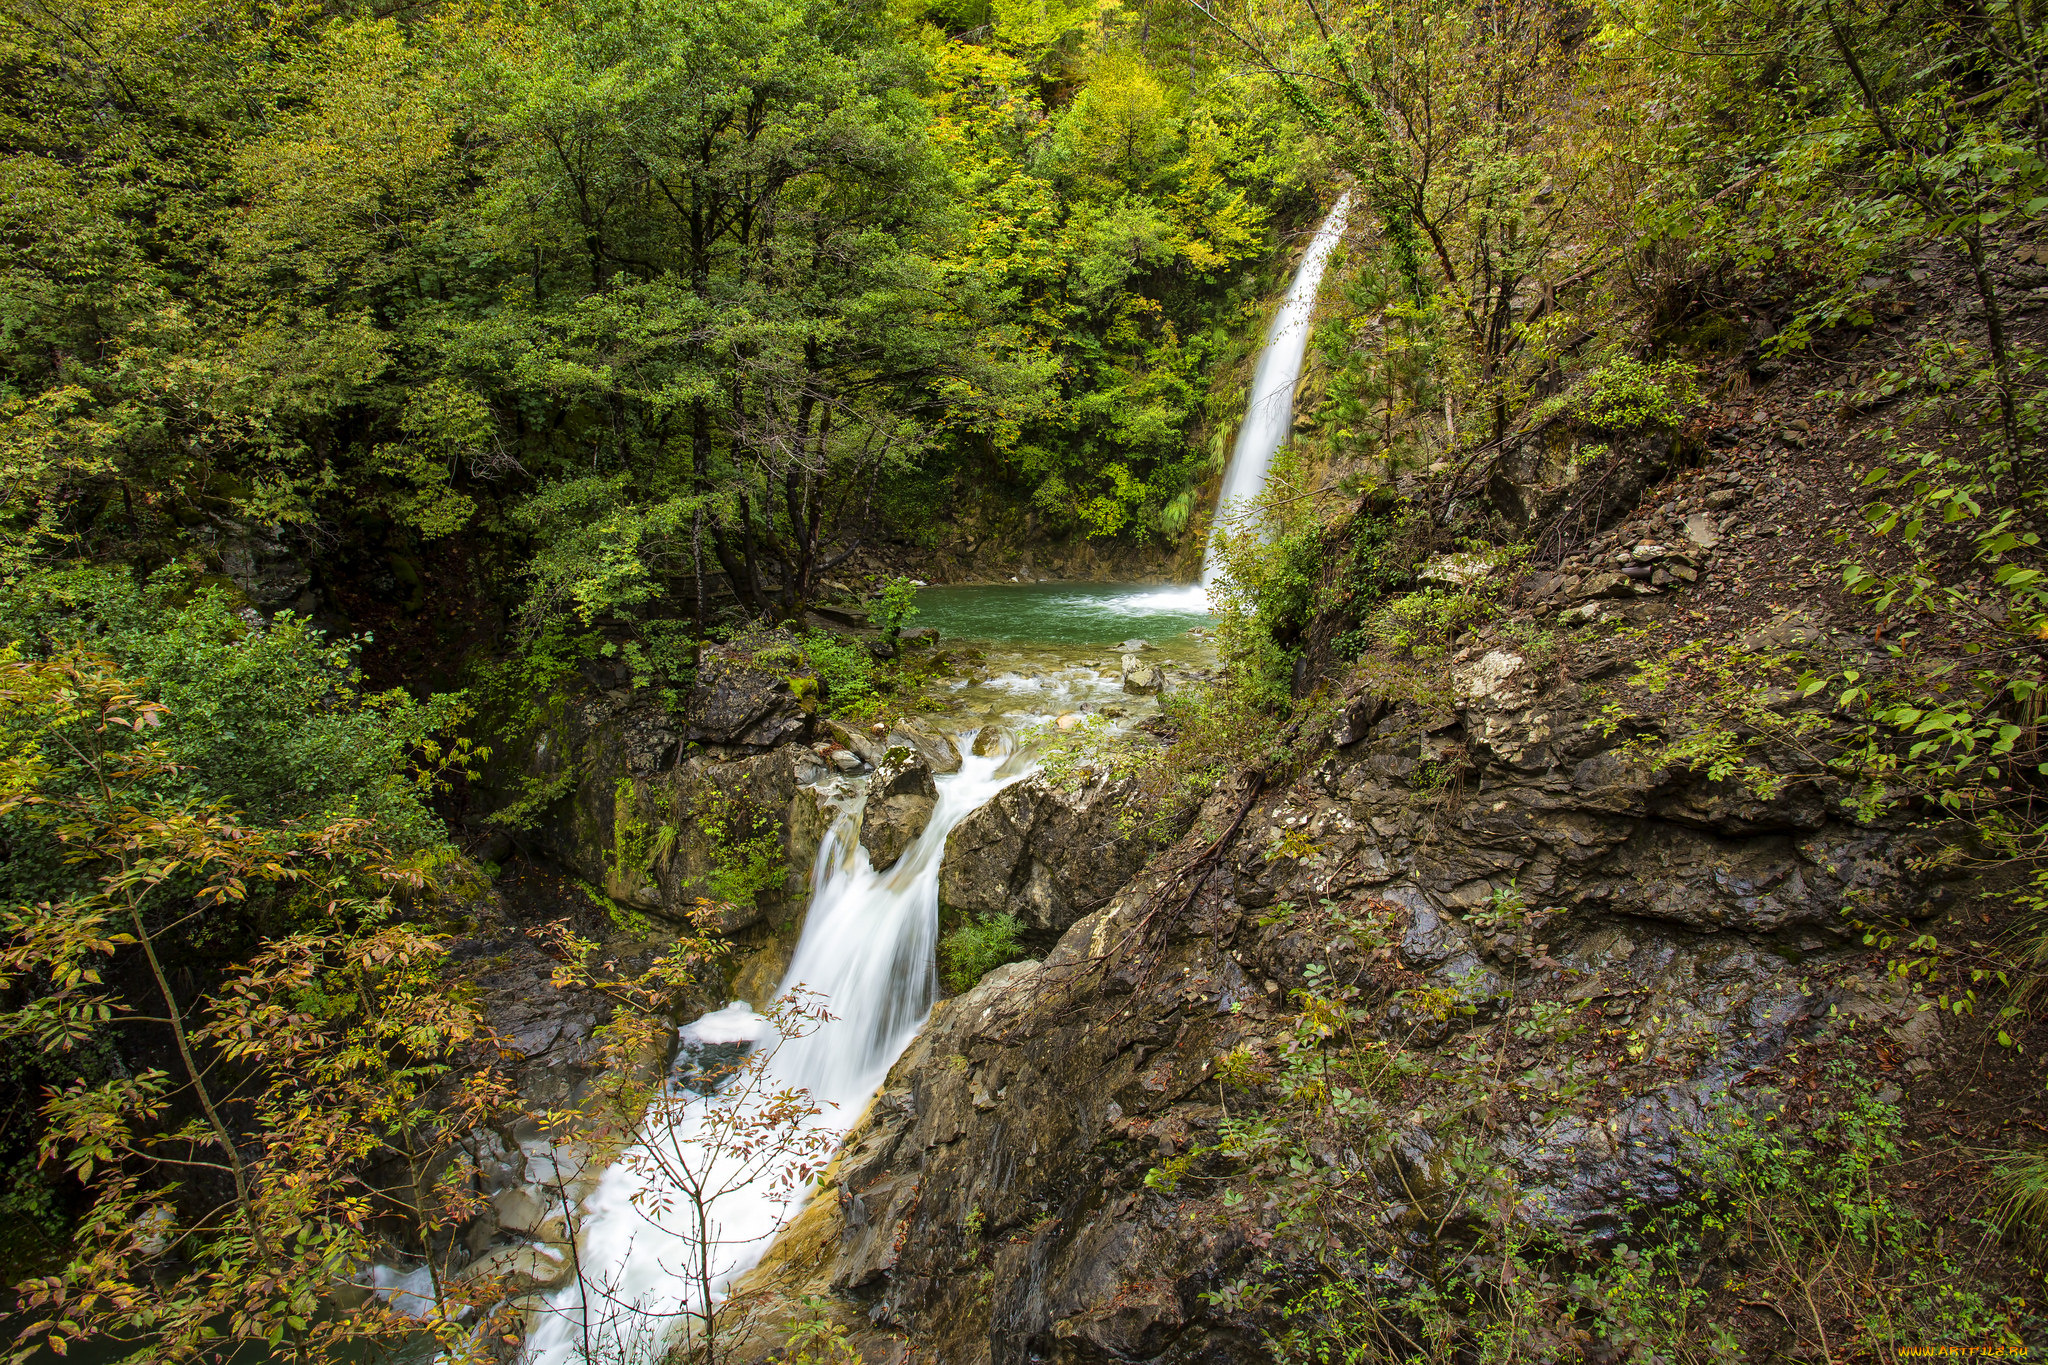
[(678, 290), (662, 323)]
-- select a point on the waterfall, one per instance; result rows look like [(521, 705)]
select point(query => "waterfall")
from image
[(1270, 412), (868, 948)]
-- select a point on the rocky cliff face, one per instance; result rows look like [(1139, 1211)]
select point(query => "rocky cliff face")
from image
[(1044, 854), (650, 828), (1495, 859)]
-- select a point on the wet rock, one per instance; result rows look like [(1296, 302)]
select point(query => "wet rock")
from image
[(1043, 853), (935, 747), (521, 1268), (994, 741), (524, 1208), (901, 796), (1142, 679), (746, 707), (1135, 646), (867, 743)]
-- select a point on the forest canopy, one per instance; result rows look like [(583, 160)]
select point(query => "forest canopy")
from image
[(760, 266)]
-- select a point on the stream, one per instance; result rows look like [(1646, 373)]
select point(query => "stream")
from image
[(869, 940), (868, 950)]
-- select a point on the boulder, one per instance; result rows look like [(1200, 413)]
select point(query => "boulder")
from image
[(994, 741), (1142, 679), (936, 748), (267, 570), (1042, 853), (525, 1208), (520, 1268), (901, 796), (1606, 585), (744, 707), (865, 743)]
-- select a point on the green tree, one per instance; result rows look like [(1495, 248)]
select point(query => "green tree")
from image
[(291, 1085), (731, 210)]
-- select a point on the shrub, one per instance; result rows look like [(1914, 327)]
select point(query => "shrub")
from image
[(2022, 1180), (1637, 393), (746, 847), (1273, 558), (1424, 623), (1811, 1201), (665, 654), (273, 720), (895, 605), (977, 948), (845, 668)]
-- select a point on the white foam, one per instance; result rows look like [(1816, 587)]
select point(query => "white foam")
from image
[(410, 1292), (868, 950), (1194, 599), (736, 1023)]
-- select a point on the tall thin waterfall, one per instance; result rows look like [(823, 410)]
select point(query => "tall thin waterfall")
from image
[(867, 949), (1270, 412)]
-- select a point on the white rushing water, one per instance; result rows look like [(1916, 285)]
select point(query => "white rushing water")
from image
[(1269, 414), (868, 949)]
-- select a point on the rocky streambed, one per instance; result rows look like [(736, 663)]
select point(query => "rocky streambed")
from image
[(1496, 854), (1000, 1201), (642, 826)]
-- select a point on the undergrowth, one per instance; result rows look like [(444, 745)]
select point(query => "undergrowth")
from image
[(1355, 1151), (977, 947)]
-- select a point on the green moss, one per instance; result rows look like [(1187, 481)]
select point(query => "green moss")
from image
[(746, 846)]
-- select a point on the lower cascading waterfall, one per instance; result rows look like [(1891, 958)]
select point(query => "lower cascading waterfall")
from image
[(868, 952)]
